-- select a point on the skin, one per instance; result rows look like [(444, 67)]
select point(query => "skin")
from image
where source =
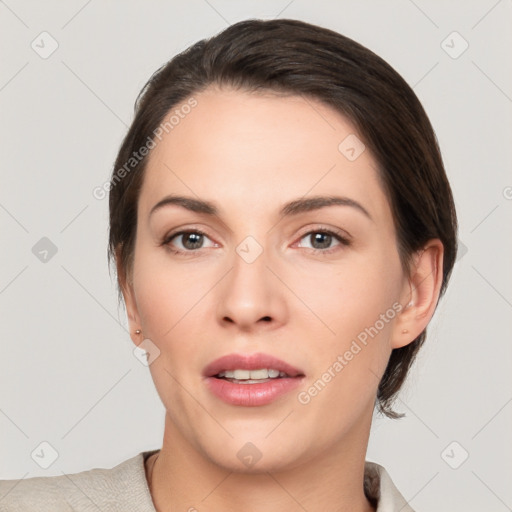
[(250, 154)]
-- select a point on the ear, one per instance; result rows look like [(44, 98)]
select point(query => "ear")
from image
[(420, 294), (126, 285)]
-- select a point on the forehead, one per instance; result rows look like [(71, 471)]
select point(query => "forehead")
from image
[(247, 149)]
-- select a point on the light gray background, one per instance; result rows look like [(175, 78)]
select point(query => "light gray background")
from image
[(67, 373)]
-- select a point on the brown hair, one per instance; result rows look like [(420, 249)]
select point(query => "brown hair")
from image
[(297, 58)]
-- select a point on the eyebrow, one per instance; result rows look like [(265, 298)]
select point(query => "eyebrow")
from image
[(291, 208)]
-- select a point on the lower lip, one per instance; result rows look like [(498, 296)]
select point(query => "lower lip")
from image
[(252, 395)]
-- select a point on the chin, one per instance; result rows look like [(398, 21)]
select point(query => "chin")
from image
[(255, 462), (256, 455)]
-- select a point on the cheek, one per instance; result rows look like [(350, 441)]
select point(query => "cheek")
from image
[(167, 300), (359, 311), (355, 307), (171, 300), (167, 294), (351, 296)]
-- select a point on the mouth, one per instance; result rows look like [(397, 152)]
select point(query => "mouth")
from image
[(251, 379), (242, 376), (250, 367)]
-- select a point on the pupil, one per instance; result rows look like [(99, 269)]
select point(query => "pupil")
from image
[(317, 237), (196, 241)]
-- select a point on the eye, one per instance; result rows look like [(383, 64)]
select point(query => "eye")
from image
[(322, 240), (187, 241)]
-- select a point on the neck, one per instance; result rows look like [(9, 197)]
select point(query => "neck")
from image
[(183, 478)]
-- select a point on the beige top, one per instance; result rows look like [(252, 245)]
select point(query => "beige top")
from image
[(124, 488)]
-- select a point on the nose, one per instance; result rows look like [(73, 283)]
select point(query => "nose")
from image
[(251, 297)]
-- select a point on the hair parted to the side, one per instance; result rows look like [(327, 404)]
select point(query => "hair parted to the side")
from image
[(296, 58)]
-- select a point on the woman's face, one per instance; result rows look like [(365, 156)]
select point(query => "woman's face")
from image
[(260, 280)]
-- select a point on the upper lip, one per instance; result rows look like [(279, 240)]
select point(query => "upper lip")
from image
[(249, 362)]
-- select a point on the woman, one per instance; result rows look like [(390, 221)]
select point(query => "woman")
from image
[(282, 228)]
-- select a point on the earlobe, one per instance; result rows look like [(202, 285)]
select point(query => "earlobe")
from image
[(132, 313), (421, 294), (126, 285)]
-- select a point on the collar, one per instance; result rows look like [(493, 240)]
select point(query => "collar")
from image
[(380, 489)]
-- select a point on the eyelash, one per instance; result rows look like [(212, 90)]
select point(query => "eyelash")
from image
[(341, 239), (170, 237)]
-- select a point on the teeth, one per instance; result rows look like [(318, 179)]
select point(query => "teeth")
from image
[(241, 374), (261, 374), (252, 374)]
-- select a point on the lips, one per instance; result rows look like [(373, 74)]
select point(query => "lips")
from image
[(256, 361), (249, 392)]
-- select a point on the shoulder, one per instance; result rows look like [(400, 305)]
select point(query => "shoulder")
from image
[(123, 487), (380, 488)]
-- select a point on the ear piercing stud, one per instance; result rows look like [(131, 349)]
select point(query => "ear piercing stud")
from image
[(404, 331), (138, 331)]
